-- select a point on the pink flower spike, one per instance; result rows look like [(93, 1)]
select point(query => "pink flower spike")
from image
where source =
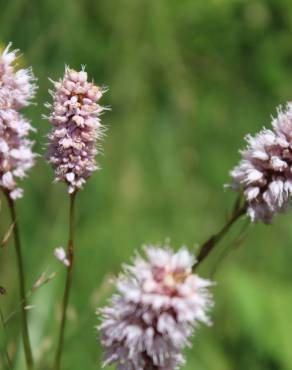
[(16, 91), (76, 133)]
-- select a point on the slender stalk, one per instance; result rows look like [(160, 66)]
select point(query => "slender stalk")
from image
[(70, 256), (21, 276), (209, 245), (235, 243)]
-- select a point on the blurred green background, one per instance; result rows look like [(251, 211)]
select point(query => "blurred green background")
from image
[(187, 80)]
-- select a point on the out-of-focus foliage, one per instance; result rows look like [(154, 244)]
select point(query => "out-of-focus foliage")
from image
[(187, 80)]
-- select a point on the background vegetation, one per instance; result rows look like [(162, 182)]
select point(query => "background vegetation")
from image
[(187, 80)]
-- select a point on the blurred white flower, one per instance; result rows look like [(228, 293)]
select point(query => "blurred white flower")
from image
[(158, 304), (60, 254)]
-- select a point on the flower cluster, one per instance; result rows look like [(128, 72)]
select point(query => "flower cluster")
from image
[(16, 91), (158, 305), (76, 128), (264, 171)]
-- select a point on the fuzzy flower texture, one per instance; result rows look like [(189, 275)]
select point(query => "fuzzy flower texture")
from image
[(151, 318), (265, 170), (73, 141), (16, 90)]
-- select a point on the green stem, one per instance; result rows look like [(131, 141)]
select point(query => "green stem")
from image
[(70, 256), (21, 276), (209, 245)]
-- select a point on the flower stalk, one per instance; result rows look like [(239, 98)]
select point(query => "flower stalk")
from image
[(21, 277), (68, 283), (209, 245)]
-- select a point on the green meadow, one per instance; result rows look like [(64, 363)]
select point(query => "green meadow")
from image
[(187, 80)]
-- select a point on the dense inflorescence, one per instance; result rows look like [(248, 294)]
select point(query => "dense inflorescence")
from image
[(158, 304), (17, 88), (264, 171), (74, 139)]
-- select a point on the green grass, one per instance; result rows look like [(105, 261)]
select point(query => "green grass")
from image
[(187, 80)]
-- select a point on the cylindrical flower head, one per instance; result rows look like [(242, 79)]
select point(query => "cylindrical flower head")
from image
[(16, 86), (264, 173), (73, 141), (158, 304), (16, 91)]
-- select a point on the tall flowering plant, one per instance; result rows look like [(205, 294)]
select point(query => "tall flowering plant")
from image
[(17, 89), (73, 144)]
